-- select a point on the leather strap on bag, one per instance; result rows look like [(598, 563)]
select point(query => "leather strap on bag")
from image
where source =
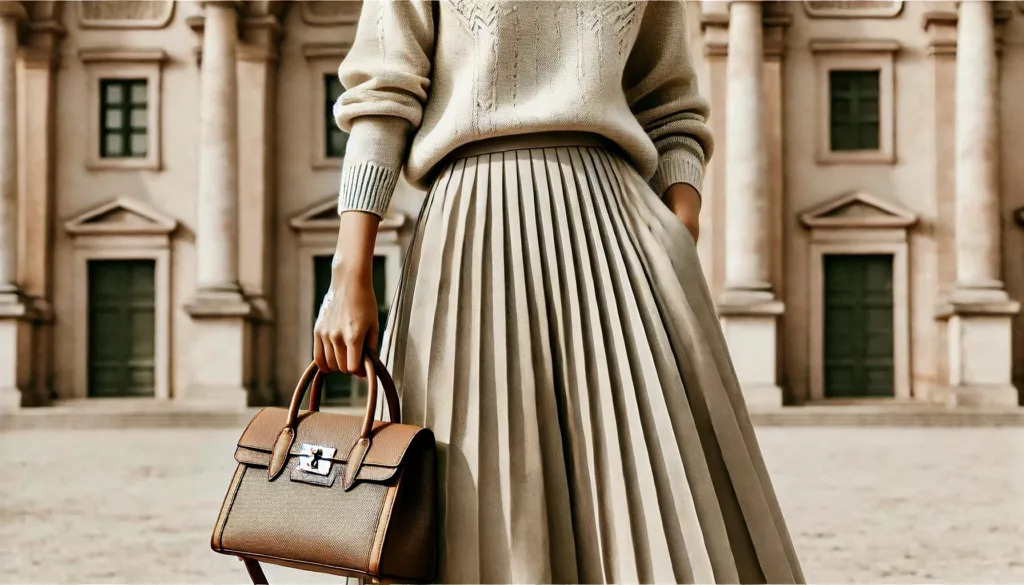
[(255, 571)]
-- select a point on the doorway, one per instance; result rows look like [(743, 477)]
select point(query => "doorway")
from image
[(121, 328), (858, 322)]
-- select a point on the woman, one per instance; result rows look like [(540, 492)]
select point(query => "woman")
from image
[(553, 325)]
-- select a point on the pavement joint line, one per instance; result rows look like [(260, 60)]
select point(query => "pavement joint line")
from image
[(128, 415)]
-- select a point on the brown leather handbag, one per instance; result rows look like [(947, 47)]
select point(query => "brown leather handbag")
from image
[(333, 493)]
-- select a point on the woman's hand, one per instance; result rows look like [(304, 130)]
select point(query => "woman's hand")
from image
[(348, 315), (684, 202)]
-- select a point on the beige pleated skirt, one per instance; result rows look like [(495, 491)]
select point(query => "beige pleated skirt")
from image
[(555, 330)]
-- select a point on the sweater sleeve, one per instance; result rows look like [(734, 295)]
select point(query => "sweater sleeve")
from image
[(386, 76), (661, 87)]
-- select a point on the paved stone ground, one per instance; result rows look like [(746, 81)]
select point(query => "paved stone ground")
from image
[(865, 505)]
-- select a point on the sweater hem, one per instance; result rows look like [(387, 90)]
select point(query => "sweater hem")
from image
[(677, 168), (366, 187)]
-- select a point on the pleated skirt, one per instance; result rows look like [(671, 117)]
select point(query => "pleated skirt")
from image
[(554, 329)]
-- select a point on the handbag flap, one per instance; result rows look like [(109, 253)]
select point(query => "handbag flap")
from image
[(389, 441)]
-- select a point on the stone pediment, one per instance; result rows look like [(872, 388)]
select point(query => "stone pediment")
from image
[(324, 217), (858, 210), (122, 216)]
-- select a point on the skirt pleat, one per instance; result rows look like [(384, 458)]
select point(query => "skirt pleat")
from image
[(554, 329)]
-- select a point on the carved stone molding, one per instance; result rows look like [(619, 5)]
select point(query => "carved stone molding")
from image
[(15, 10), (330, 12), (125, 13), (853, 8)]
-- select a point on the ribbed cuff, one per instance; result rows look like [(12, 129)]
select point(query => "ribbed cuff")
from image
[(677, 166), (366, 187)]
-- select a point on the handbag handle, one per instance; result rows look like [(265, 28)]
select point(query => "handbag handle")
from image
[(314, 377)]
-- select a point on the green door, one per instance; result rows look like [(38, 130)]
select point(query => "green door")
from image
[(343, 390), (122, 328), (858, 326)]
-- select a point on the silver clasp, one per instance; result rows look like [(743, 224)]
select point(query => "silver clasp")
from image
[(315, 458)]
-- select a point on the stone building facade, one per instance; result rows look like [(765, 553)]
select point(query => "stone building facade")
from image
[(168, 174)]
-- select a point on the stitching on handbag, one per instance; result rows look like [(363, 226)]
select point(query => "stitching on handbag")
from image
[(378, 549), (222, 522)]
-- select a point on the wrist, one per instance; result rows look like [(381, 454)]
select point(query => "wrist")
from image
[(348, 268), (683, 199)]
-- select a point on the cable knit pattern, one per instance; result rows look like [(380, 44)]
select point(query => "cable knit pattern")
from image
[(424, 78)]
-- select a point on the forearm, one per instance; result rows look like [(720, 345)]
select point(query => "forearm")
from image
[(353, 257), (661, 87)]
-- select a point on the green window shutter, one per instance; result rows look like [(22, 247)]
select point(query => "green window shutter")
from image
[(335, 140), (854, 110), (124, 118)]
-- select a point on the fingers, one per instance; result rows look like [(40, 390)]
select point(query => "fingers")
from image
[(337, 343), (319, 357), (354, 361), (373, 335)]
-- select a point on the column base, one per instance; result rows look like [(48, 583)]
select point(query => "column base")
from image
[(750, 325), (16, 317), (980, 334), (997, 396), (220, 362), (10, 400), (761, 398)]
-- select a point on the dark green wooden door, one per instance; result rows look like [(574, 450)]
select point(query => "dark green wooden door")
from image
[(122, 328), (343, 389), (858, 326)]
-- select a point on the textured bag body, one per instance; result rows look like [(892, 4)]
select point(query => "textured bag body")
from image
[(333, 493)]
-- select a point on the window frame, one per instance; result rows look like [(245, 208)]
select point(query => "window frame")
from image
[(841, 55), (134, 64)]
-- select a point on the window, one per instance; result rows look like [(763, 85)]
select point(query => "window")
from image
[(124, 116), (334, 138), (854, 101), (122, 106), (854, 112)]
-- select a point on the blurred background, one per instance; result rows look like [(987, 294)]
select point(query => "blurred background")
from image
[(160, 273)]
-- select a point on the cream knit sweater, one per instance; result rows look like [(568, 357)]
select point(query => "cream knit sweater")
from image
[(424, 78)]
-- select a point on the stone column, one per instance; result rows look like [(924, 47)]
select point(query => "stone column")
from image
[(37, 164), (15, 311), (217, 222), (10, 14), (746, 184), (748, 306), (979, 311), (977, 189), (257, 75), (220, 365)]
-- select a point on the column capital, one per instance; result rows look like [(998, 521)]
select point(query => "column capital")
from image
[(940, 25), (11, 9)]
